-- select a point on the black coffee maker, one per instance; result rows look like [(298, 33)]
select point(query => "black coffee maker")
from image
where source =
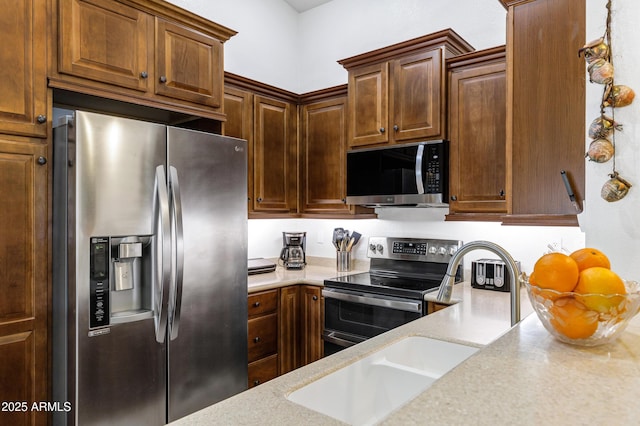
[(292, 254)]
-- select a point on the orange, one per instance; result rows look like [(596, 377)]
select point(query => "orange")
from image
[(590, 257), (600, 285), (555, 271), (572, 319)]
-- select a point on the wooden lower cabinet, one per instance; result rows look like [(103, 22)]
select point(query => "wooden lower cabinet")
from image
[(284, 330), (262, 337), (24, 288)]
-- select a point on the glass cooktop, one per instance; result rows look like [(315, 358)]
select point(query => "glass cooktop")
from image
[(384, 285)]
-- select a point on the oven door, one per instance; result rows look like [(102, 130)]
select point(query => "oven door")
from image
[(351, 317)]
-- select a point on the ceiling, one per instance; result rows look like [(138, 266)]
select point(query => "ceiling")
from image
[(304, 5)]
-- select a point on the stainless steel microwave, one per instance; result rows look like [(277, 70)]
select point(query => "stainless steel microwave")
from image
[(408, 175)]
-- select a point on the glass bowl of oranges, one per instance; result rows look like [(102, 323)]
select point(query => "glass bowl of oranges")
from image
[(579, 299)]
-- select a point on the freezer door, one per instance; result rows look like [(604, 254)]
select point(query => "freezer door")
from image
[(208, 334), (121, 369)]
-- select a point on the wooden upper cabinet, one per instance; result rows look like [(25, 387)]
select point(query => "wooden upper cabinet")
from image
[(105, 41), (188, 64), (538, 95), (369, 104), (397, 93), (275, 160), (417, 97), (146, 52), (323, 159), (23, 67), (477, 133)]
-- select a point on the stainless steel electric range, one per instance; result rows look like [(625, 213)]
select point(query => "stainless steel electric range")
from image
[(401, 272)]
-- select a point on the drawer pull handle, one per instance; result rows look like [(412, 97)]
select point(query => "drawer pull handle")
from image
[(256, 382), (256, 339), (256, 304)]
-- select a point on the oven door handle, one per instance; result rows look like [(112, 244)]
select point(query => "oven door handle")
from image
[(345, 341), (400, 305)]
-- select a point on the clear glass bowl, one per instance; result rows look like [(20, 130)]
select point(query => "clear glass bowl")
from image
[(584, 319)]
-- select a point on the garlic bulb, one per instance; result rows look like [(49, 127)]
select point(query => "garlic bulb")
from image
[(600, 151), (618, 96), (601, 127), (600, 71)]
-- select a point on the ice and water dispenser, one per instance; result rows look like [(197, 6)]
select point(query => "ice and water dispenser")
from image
[(121, 284)]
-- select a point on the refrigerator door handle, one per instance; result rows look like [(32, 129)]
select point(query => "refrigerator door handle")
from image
[(178, 242), (163, 255)]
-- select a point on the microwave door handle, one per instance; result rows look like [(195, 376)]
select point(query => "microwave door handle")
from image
[(163, 254), (419, 178), (178, 244)]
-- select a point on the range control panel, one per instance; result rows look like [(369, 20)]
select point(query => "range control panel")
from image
[(416, 249)]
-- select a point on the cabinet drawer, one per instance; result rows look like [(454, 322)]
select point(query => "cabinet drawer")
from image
[(263, 336), (262, 303), (263, 370)]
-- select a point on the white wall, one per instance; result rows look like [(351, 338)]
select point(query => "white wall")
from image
[(615, 227), (298, 52)]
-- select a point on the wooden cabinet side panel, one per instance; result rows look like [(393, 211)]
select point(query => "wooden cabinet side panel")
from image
[(323, 156), (477, 106), (288, 329), (23, 78), (542, 95), (368, 105), (312, 320), (105, 41), (189, 64), (417, 94)]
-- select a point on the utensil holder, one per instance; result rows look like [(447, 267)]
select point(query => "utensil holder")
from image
[(343, 261)]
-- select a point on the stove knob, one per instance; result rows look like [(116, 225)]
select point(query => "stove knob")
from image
[(442, 251), (452, 250), (432, 250), (379, 248)]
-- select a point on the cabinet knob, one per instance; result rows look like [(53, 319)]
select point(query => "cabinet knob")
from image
[(501, 193), (381, 129), (454, 198), (256, 304), (256, 382), (42, 161), (396, 127), (259, 199), (315, 297), (163, 79), (256, 340), (344, 201), (41, 119), (144, 74)]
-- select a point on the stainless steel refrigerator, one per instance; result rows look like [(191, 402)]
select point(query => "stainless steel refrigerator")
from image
[(150, 270)]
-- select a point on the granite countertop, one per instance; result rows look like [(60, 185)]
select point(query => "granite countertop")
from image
[(521, 375)]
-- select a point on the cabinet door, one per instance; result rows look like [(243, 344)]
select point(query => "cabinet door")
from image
[(289, 331), (238, 107), (188, 65), (368, 104), (24, 287), (23, 73), (312, 322), (536, 98), (477, 114), (105, 41), (416, 100), (275, 171), (323, 157)]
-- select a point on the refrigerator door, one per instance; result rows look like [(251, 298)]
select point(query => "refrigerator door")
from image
[(121, 368), (208, 331)]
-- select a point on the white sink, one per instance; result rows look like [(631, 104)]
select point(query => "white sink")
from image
[(366, 391)]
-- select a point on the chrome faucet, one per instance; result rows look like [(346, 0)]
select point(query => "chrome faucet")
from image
[(446, 286)]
